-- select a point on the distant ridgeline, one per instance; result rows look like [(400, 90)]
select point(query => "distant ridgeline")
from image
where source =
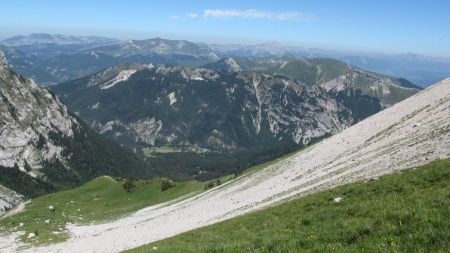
[(55, 58), (51, 59)]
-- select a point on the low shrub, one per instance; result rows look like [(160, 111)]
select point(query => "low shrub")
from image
[(167, 184), (128, 185)]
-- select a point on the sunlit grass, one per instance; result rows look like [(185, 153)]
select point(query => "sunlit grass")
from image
[(99, 200), (403, 212)]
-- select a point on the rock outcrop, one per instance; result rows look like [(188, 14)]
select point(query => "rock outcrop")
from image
[(3, 62)]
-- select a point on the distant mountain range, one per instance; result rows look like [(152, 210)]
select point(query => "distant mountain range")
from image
[(158, 46), (419, 69), (45, 46), (51, 63), (52, 59), (248, 113), (58, 39)]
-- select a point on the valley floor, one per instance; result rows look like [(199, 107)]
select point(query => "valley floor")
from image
[(411, 133)]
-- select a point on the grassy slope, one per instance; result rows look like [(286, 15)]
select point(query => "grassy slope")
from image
[(99, 200), (402, 212)]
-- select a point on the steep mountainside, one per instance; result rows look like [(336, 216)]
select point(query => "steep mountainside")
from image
[(363, 91), (357, 217), (200, 110), (406, 135), (43, 147)]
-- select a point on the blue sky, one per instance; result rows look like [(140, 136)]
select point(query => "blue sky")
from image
[(379, 26)]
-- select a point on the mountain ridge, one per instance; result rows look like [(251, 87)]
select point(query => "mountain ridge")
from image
[(172, 111), (157, 46), (337, 77), (421, 69)]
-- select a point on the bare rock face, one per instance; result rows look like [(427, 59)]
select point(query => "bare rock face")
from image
[(3, 62), (41, 143), (29, 115), (9, 199)]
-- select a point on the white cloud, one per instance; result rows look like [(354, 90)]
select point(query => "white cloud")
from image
[(174, 17), (192, 15), (253, 13)]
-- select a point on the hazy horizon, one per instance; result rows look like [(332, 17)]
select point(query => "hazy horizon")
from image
[(304, 46), (381, 27)]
